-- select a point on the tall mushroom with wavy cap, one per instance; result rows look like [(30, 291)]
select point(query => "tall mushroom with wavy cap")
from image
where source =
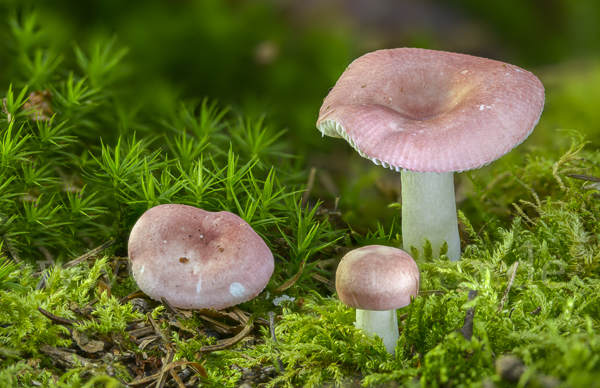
[(198, 259), (376, 280), (429, 114)]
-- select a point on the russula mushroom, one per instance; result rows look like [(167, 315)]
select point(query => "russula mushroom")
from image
[(198, 259), (429, 114), (376, 280)]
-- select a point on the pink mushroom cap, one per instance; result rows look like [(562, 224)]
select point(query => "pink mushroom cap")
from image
[(377, 277), (432, 111), (198, 259)]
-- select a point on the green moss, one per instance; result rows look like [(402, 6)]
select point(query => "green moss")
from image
[(85, 175)]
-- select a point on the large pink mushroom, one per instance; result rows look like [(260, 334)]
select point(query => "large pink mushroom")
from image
[(376, 280), (429, 114), (198, 259)]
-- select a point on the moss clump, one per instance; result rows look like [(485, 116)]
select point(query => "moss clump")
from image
[(81, 159)]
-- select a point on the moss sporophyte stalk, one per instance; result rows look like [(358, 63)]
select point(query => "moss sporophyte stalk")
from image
[(83, 155)]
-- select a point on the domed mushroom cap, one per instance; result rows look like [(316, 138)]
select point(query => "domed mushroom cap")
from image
[(198, 259), (432, 111), (377, 277)]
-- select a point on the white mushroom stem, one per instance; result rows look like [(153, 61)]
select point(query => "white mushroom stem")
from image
[(429, 211), (382, 323)]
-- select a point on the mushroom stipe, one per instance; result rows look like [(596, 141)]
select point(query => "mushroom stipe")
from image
[(376, 280), (429, 114)]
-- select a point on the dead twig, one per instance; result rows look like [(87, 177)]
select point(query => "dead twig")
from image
[(157, 330), (309, 185), (65, 358), (241, 316), (272, 328), (194, 366), (56, 319), (583, 177), (178, 381), (328, 283), (162, 376), (13, 252), (467, 329), (90, 254), (170, 308), (218, 326), (135, 294), (510, 282), (287, 284), (42, 282), (224, 344)]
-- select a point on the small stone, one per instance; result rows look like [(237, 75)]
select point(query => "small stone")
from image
[(509, 368), (140, 305)]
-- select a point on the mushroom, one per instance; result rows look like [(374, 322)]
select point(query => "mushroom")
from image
[(376, 280), (198, 259), (429, 114)]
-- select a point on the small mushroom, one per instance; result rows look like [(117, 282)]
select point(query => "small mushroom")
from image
[(429, 114), (198, 259), (376, 280)]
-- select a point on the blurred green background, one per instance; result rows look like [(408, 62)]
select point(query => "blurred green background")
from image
[(279, 58)]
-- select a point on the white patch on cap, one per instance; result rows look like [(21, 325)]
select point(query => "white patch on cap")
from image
[(464, 72), (481, 107), (165, 241), (199, 285), (196, 269), (237, 290), (142, 270)]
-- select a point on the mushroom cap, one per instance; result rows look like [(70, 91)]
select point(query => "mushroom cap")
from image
[(432, 111), (377, 277), (198, 259)]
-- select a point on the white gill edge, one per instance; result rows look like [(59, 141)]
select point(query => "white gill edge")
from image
[(334, 129)]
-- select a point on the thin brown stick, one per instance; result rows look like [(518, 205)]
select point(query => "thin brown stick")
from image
[(224, 344), (157, 330), (13, 252), (135, 294), (309, 185), (194, 366), (177, 379), (242, 318), (65, 358), (56, 319), (162, 378), (583, 177), (272, 328), (323, 280), (510, 282), (219, 327), (467, 329), (90, 254), (170, 308)]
